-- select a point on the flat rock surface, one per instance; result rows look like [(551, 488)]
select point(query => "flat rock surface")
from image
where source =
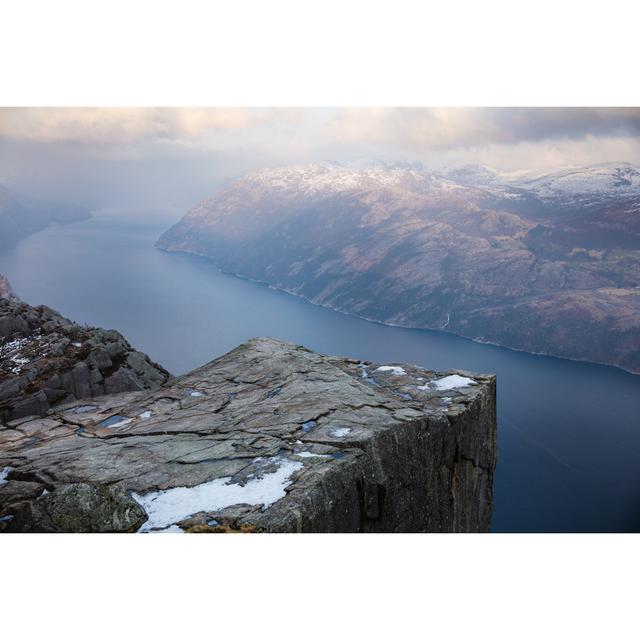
[(270, 437)]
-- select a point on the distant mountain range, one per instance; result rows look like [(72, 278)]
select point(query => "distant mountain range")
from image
[(544, 262), (569, 184), (19, 219)]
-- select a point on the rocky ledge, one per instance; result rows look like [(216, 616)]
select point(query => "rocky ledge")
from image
[(46, 359), (270, 437)]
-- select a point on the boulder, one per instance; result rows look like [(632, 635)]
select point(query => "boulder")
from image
[(80, 508)]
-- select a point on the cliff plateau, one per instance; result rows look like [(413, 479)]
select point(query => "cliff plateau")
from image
[(271, 437)]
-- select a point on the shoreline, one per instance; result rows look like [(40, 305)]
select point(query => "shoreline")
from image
[(391, 324)]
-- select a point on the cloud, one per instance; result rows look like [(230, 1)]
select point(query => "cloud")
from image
[(421, 130), (128, 125), (437, 129)]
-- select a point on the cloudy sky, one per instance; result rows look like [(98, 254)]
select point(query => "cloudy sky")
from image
[(168, 158)]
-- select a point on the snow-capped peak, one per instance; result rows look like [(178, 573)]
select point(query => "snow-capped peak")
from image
[(325, 179), (605, 179), (620, 178), (329, 177)]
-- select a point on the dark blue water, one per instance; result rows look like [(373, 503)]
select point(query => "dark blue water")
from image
[(569, 432)]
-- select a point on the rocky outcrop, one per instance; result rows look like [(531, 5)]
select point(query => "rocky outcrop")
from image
[(46, 359), (270, 437), (80, 508), (550, 265), (6, 292)]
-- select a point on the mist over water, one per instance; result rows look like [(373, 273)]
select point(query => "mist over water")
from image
[(569, 432)]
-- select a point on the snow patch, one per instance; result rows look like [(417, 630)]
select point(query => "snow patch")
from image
[(169, 506), (144, 415), (309, 454), (396, 371), (449, 382), (4, 474), (341, 432), (19, 362)]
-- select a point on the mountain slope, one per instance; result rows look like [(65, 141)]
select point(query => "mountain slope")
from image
[(499, 263), (18, 220)]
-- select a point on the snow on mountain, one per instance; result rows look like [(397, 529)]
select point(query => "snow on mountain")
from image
[(610, 179), (613, 179), (326, 177)]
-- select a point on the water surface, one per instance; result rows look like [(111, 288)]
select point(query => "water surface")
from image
[(569, 432)]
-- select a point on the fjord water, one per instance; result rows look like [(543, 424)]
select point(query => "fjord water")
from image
[(568, 432)]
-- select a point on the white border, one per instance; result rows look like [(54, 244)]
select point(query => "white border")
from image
[(312, 53), (319, 586), (321, 54)]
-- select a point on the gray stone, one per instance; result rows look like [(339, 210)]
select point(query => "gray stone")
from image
[(80, 508), (338, 445), (100, 359), (44, 358)]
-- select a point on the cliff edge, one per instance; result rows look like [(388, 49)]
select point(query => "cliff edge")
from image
[(271, 437)]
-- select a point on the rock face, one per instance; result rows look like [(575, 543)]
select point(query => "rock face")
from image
[(270, 437), (546, 263), (46, 359)]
